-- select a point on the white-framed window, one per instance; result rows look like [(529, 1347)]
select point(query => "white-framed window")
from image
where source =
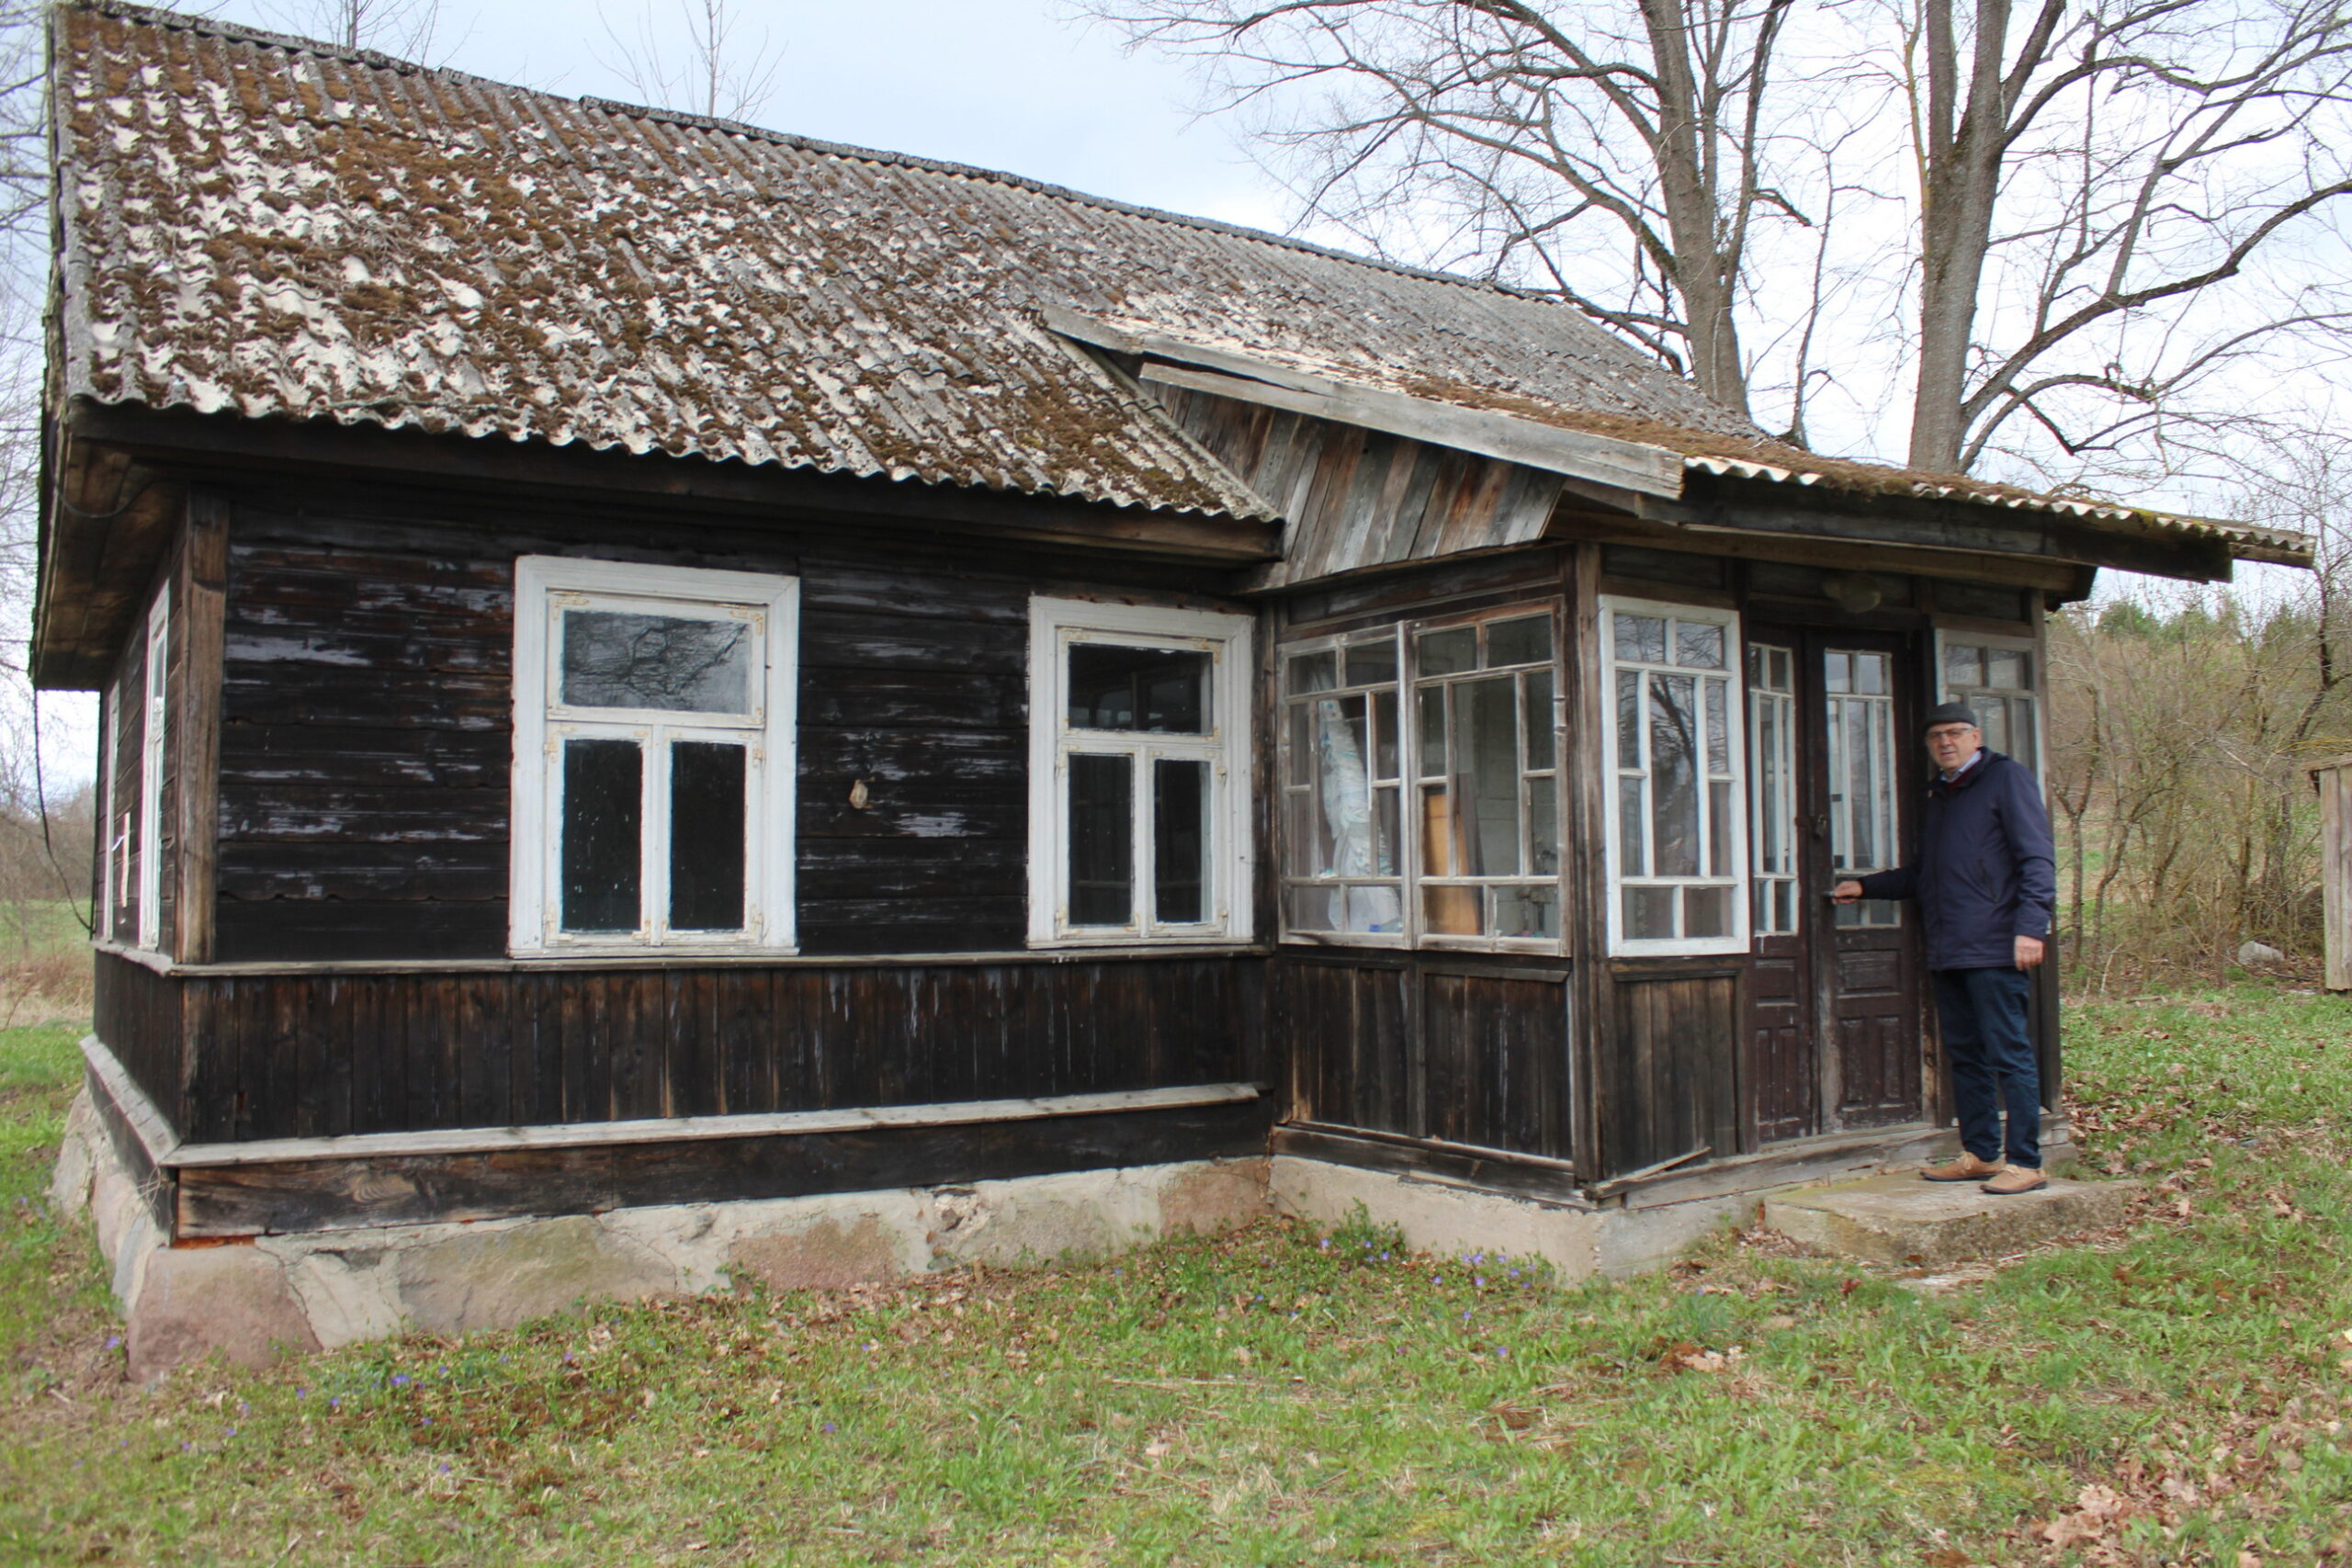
[(653, 757), (1139, 774), (1420, 784), (153, 721), (112, 835), (1858, 695), (1998, 677), (1676, 830), (1772, 788)]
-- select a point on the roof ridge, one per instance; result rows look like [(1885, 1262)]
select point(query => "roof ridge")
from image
[(160, 16)]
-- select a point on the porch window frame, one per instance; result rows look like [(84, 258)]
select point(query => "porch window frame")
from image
[(154, 719), (1736, 879), (1228, 854), (1412, 880), (2016, 642), (545, 586)]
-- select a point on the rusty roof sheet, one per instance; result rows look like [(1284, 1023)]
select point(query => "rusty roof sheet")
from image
[(284, 230)]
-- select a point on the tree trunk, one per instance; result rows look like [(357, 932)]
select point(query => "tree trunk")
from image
[(1704, 275), (1963, 156)]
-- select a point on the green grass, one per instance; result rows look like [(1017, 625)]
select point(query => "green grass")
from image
[(1281, 1397), (41, 927)]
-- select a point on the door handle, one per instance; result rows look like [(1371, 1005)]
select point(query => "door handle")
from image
[(1820, 824)]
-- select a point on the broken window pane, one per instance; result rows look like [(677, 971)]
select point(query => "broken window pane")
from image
[(615, 658), (603, 811)]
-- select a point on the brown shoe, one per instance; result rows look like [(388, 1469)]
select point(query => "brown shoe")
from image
[(2015, 1180), (1967, 1167)]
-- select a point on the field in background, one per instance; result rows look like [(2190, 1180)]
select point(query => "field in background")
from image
[(2178, 1391), (44, 962)]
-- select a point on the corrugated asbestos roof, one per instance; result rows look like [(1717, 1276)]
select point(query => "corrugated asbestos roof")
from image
[(281, 228)]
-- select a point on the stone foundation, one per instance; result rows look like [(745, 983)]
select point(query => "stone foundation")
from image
[(1578, 1241), (252, 1300)]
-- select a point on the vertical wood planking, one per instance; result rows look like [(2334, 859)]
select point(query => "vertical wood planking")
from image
[(195, 705)]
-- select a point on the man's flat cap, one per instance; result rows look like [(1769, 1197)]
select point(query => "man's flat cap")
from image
[(1950, 713)]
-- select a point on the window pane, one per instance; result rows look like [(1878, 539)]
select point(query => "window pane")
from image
[(618, 659), (1443, 653), (1649, 913), (1543, 826), (1706, 911), (1629, 719), (1486, 774), (1698, 644), (603, 813), (1964, 666), (1304, 853), (1369, 663), (1869, 673), (1453, 911), (1524, 642), (1674, 765), (1718, 695), (706, 835), (1164, 689), (2022, 743), (1385, 838), (1641, 638), (1342, 788), (1180, 792), (1632, 816), (1383, 732), (2008, 669), (1539, 719), (1527, 911), (1312, 672), (1438, 842), (1432, 732), (1102, 841), (1300, 766), (1993, 715), (1719, 828), (1837, 672)]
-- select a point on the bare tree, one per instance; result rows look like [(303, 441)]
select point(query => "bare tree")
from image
[(403, 28), (2092, 189), (1614, 154), (2113, 205), (703, 60)]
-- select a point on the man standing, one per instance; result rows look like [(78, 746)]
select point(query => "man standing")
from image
[(1986, 881)]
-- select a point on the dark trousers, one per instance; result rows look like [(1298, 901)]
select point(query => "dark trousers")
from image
[(1993, 1065)]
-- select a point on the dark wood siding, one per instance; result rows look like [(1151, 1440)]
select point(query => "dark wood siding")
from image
[(363, 809), (321, 1056), (1430, 1046), (1667, 1083), (136, 1013)]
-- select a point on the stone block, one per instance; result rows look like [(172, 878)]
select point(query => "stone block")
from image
[(69, 1184), (194, 1301), (829, 1255), (1032, 1228), (1901, 1219), (496, 1279), (1220, 1196)]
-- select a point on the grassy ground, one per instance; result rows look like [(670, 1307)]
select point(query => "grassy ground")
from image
[(44, 962), (2178, 1391)]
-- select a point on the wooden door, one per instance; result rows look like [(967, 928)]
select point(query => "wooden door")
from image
[(1834, 995)]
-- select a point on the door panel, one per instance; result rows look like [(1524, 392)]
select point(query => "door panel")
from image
[(1833, 1014)]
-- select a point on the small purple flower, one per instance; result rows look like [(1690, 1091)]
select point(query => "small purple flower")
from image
[(1502, 1351), (114, 1342), (301, 1393), (1479, 1280), (400, 1380), (444, 1467), (233, 1431), (830, 1428), (335, 1402)]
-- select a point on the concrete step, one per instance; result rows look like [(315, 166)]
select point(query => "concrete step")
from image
[(1902, 1220)]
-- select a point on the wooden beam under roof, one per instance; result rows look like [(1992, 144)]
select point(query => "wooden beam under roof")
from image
[(1628, 464)]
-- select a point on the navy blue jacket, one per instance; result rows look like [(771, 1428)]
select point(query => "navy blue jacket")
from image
[(1985, 875)]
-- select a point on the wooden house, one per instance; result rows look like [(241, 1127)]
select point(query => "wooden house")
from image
[(654, 665)]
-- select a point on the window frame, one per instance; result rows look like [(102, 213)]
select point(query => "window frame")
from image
[(1738, 879), (1230, 856), (2015, 642), (154, 719), (1413, 879), (770, 735)]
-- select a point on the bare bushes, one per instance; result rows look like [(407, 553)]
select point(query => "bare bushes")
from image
[(2179, 732)]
